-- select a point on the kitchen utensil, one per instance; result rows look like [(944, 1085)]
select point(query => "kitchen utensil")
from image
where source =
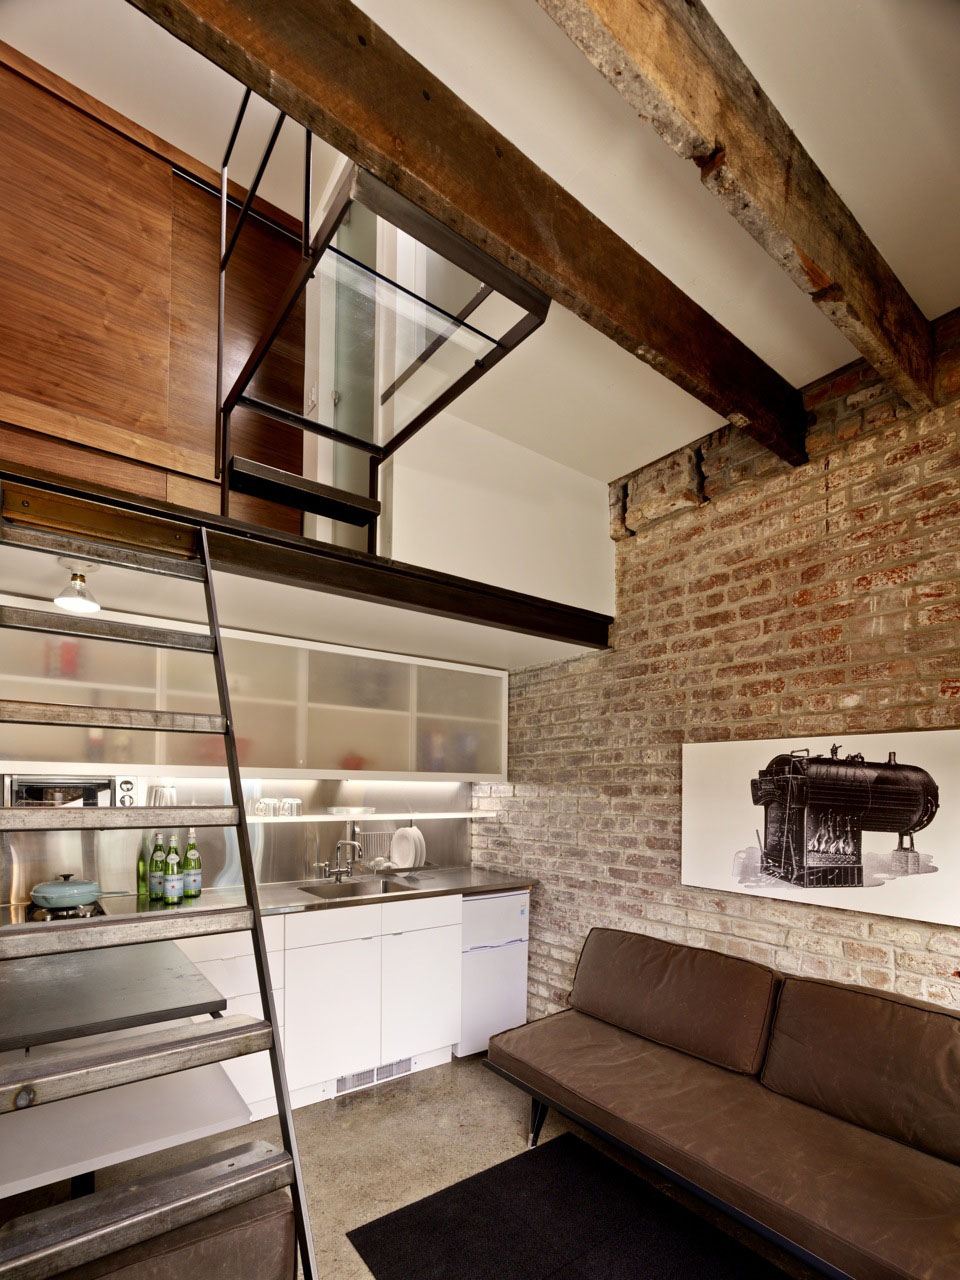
[(403, 848), (67, 892)]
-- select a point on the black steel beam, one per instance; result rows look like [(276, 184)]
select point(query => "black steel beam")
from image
[(238, 547), (307, 424)]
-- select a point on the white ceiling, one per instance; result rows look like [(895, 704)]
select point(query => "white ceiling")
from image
[(868, 85)]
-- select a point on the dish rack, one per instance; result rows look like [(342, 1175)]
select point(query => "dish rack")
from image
[(375, 844)]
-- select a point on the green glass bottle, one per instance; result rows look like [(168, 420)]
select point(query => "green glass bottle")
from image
[(172, 875), (143, 867), (155, 873), (191, 867)]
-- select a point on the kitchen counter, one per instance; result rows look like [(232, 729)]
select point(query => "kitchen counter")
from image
[(277, 899)]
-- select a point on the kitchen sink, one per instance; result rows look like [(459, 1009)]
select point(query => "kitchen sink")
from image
[(354, 889)]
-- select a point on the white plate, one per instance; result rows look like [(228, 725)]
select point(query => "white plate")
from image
[(403, 848), (421, 846)]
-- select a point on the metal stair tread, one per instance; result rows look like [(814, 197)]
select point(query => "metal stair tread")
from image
[(20, 941), (260, 481), (38, 1245), (87, 1068), (102, 629), (113, 817), (74, 714)]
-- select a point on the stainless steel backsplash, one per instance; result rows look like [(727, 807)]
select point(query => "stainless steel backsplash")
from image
[(282, 851)]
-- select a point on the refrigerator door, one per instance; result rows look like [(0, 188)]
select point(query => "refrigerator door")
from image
[(492, 918), (493, 993)]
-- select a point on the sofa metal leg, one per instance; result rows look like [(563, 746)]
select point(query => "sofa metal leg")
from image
[(538, 1113)]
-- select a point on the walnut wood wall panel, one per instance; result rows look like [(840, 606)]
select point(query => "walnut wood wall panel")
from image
[(85, 235), (261, 265), (108, 328)]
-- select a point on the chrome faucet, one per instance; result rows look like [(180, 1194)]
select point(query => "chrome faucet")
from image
[(345, 869)]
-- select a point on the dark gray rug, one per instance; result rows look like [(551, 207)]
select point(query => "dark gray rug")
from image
[(563, 1211)]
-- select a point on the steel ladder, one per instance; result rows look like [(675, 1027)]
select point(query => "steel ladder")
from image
[(41, 1244)]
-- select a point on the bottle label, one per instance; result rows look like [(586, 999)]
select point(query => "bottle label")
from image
[(172, 888), (155, 883), (191, 882)]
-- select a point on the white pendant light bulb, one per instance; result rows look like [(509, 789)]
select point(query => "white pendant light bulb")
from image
[(75, 597)]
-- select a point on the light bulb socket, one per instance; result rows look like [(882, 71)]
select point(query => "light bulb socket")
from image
[(75, 597)]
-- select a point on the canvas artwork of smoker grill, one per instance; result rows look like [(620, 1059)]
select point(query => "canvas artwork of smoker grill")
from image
[(867, 822)]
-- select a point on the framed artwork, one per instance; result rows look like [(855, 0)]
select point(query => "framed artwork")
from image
[(869, 822)]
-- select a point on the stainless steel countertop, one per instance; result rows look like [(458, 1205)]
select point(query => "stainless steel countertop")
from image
[(279, 899)]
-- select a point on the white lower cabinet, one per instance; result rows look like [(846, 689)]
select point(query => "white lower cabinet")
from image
[(357, 990), (226, 960), (333, 1010), (421, 992)]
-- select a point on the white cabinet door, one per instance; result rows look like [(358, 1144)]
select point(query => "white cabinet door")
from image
[(332, 1010), (421, 992)]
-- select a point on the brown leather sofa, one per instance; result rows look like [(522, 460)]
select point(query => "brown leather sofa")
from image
[(826, 1116)]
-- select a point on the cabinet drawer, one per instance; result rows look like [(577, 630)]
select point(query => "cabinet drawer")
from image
[(238, 975), (224, 946), (336, 924), (422, 913)]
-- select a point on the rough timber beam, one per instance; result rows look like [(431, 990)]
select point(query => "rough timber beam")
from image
[(673, 64), (331, 68)]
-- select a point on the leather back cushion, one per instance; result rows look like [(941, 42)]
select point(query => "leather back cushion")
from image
[(878, 1060), (712, 1006)]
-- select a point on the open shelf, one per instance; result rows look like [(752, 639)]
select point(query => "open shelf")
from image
[(369, 817)]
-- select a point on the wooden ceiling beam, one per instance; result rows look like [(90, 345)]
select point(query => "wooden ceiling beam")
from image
[(332, 69), (673, 64)]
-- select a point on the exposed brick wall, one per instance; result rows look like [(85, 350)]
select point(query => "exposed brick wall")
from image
[(818, 600)]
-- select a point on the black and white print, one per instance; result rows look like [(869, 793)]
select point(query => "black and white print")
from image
[(867, 822)]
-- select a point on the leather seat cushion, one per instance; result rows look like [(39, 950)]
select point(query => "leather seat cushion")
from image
[(715, 1006), (870, 1206), (879, 1060)]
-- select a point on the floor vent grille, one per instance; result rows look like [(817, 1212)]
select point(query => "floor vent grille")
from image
[(399, 1068), (356, 1081)]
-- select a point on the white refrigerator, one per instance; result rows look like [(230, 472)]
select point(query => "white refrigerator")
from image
[(494, 967)]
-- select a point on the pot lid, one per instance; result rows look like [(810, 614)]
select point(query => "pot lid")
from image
[(56, 893)]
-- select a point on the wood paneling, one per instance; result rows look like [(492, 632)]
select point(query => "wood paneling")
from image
[(60, 457), (85, 259), (133, 132), (260, 266), (108, 333)]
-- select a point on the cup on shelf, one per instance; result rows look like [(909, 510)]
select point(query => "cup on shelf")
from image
[(290, 807)]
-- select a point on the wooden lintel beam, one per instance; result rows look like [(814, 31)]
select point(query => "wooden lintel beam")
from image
[(673, 64), (335, 71)]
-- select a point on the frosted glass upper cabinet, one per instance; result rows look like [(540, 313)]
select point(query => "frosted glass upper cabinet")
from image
[(460, 721), (265, 682), (358, 713)]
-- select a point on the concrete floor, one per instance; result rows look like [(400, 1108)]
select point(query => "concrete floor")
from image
[(376, 1150)]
